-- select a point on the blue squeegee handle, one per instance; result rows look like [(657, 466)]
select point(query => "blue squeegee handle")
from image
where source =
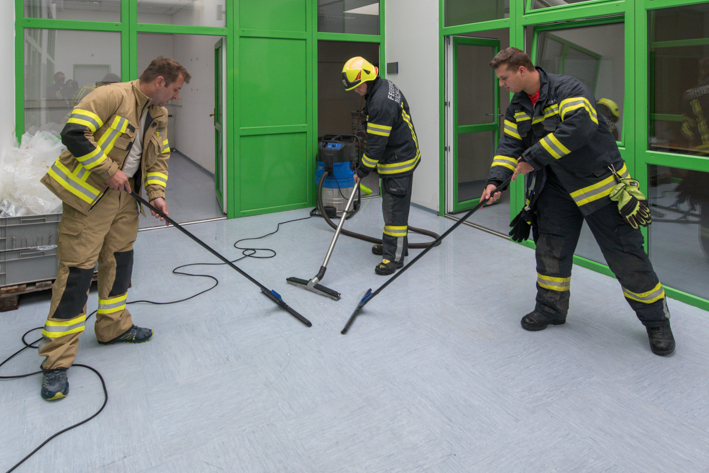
[(370, 295), (273, 295)]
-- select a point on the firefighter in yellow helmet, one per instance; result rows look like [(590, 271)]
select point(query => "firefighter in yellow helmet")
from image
[(392, 149)]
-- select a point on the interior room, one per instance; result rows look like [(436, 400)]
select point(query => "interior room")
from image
[(227, 365)]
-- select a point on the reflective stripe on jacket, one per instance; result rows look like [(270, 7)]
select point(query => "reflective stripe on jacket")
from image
[(99, 135), (392, 145), (561, 131)]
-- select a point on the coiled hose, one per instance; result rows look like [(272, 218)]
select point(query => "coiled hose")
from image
[(359, 236)]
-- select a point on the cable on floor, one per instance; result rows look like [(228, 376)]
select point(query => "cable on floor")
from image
[(247, 252)]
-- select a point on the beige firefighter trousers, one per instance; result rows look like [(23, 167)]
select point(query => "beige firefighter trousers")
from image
[(105, 235)]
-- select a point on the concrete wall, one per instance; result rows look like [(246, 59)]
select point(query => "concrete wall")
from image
[(412, 41)]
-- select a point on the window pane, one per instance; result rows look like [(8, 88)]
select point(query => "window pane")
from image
[(595, 56), (461, 12), (348, 16), (553, 3), (105, 10), (181, 12), (61, 67), (678, 238), (679, 79)]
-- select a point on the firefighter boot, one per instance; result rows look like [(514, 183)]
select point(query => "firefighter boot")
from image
[(535, 321), (134, 334), (55, 384), (379, 250), (661, 340), (387, 267)]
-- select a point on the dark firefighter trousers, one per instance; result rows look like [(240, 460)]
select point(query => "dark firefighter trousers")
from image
[(558, 227), (105, 235), (396, 202)]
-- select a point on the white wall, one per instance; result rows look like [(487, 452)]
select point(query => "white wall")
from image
[(412, 41), (7, 74)]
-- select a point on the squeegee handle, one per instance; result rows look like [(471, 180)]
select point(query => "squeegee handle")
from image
[(339, 228), (429, 247), (273, 295), (197, 240)]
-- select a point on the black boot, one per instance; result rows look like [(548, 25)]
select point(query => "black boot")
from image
[(379, 250), (387, 267), (535, 321), (661, 340), (133, 335), (55, 384)]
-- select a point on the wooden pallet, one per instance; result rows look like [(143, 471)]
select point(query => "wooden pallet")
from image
[(10, 295)]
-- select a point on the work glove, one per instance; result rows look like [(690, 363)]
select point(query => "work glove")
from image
[(631, 202), (520, 225)]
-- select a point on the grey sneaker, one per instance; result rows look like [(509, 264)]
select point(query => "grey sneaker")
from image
[(134, 334), (55, 384)]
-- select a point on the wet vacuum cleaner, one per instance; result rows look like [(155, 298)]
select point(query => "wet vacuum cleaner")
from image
[(313, 284)]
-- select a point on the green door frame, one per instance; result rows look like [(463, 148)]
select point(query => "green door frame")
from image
[(219, 122), (459, 129), (634, 144)]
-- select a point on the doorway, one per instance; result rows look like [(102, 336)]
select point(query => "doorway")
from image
[(195, 189)]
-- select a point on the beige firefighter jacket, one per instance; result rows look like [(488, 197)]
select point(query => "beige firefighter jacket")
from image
[(99, 135)]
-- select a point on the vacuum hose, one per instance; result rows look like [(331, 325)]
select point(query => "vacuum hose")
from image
[(359, 236)]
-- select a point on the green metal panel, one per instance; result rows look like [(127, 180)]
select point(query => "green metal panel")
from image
[(273, 86), (274, 15), (273, 170)]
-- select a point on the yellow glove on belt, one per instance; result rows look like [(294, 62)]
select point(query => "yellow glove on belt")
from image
[(631, 202)]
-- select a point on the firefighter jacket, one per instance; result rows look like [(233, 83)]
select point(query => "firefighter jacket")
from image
[(695, 111), (98, 136), (563, 132), (392, 145)]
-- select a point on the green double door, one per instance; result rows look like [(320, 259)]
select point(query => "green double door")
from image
[(475, 118)]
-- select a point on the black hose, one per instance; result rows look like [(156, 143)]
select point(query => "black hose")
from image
[(359, 236)]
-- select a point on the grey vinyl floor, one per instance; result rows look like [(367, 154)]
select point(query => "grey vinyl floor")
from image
[(436, 375)]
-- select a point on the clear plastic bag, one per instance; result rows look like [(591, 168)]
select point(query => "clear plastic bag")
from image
[(22, 169)]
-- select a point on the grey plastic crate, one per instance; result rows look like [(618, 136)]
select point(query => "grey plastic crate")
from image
[(28, 249)]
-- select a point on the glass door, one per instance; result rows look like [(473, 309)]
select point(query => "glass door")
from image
[(475, 117), (219, 178)]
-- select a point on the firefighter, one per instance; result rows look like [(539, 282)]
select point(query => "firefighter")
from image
[(610, 113), (392, 149), (116, 141), (574, 172)]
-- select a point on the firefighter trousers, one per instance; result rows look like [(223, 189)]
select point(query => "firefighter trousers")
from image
[(396, 202), (557, 227), (105, 235)]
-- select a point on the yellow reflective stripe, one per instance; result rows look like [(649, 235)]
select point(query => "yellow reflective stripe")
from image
[(72, 183), (396, 231), (407, 119), (575, 103), (511, 129), (86, 118), (381, 130), (401, 167), (553, 283), (521, 116), (368, 162), (653, 295), (156, 178), (554, 146), (548, 112), (165, 147), (92, 159), (600, 189), (61, 328), (701, 122), (117, 128), (115, 304), (504, 161)]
